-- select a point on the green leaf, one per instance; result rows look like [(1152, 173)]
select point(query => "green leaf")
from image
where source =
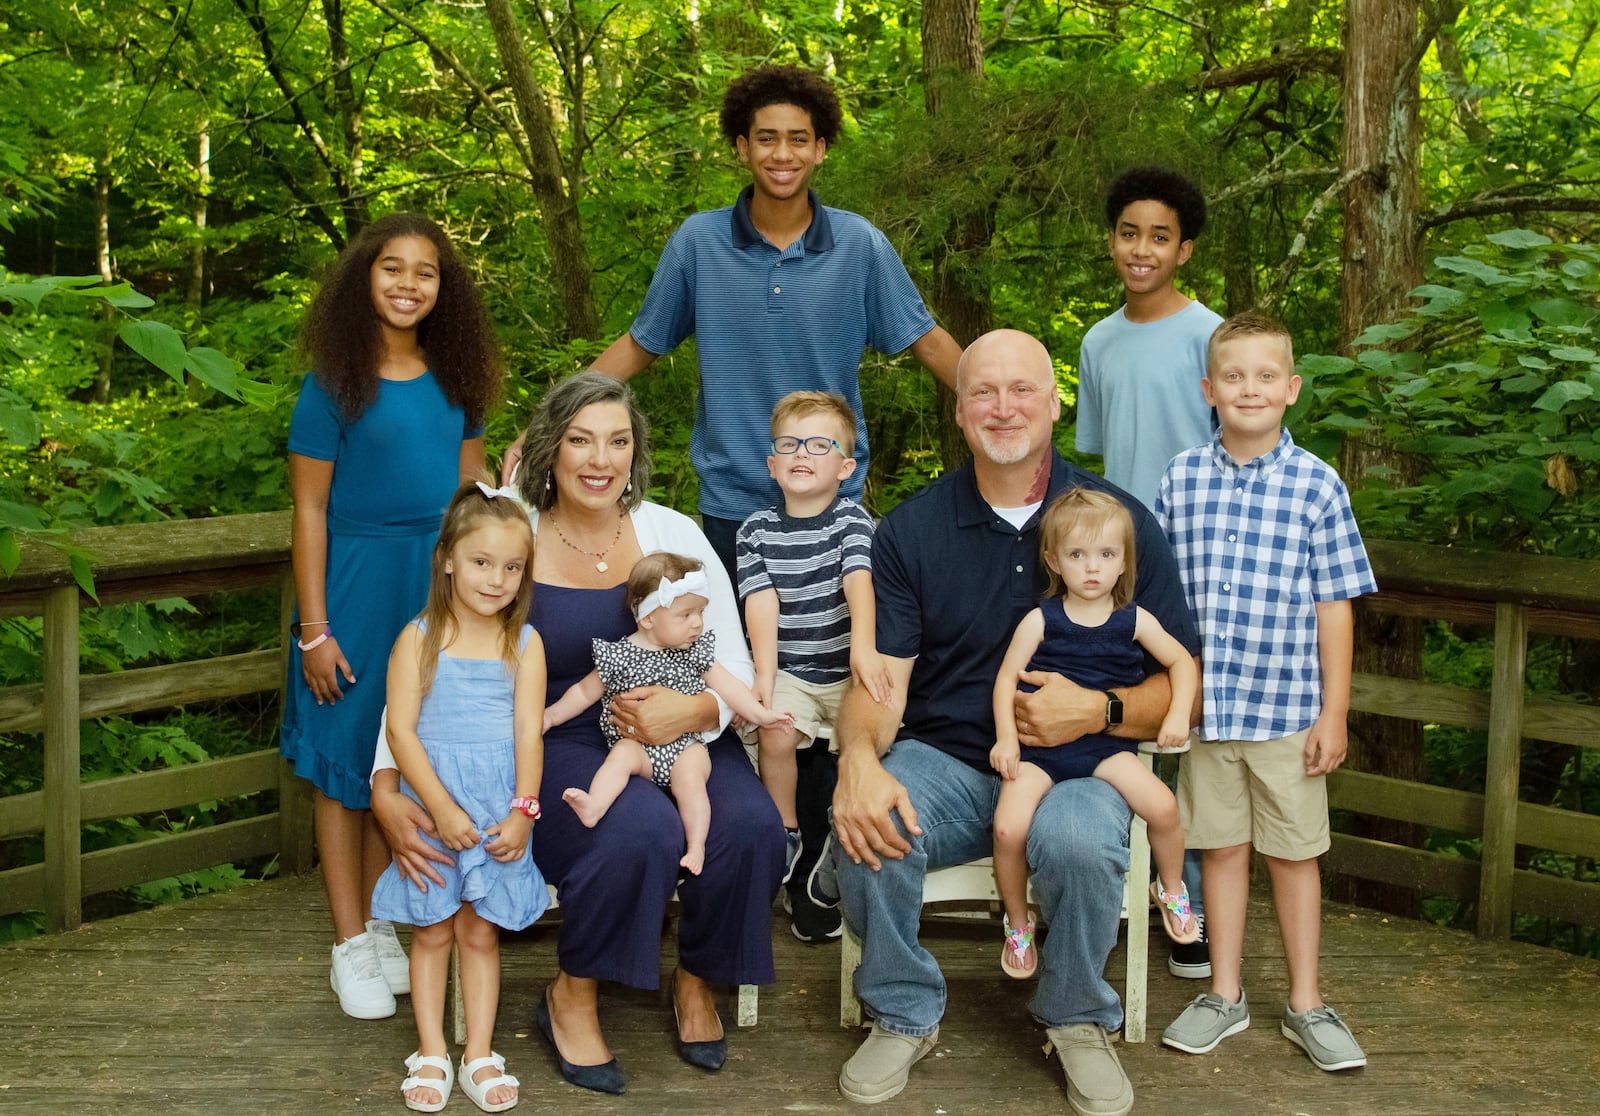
[(82, 574), (10, 551), (1518, 238), (121, 295), (1391, 331), (1572, 352), (1466, 265), (1560, 394), (158, 343), (1577, 269), (1561, 312), (1317, 364), (1501, 317), (1519, 385), (20, 516), (214, 369)]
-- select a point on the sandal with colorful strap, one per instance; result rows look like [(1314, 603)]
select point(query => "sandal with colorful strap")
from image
[(1018, 957), (1176, 918), (441, 1085)]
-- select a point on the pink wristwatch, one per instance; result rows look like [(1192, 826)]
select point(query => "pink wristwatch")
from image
[(528, 804)]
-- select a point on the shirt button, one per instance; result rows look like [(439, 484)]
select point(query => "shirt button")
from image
[(1233, 538), (1227, 587), (1019, 569), (777, 290), (778, 264)]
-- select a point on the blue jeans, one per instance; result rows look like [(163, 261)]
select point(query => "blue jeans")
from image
[(1077, 852)]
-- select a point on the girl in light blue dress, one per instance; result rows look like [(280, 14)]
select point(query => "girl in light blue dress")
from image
[(466, 707)]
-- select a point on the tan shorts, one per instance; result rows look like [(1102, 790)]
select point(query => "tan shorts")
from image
[(814, 705), (1255, 792)]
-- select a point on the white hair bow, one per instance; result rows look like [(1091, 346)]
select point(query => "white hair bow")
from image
[(509, 492), (694, 582)]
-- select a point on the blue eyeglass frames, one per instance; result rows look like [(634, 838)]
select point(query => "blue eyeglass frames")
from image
[(816, 447)]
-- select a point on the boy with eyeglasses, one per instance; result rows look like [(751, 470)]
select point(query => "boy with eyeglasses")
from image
[(805, 576)]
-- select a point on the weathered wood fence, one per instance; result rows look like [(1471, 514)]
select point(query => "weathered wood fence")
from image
[(1515, 595)]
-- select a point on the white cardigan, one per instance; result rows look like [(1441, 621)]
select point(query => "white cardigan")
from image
[(661, 528)]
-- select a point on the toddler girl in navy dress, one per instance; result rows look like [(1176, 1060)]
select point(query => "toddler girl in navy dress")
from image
[(672, 648), (1088, 630), (466, 705)]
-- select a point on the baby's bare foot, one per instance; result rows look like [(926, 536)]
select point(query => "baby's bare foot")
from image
[(694, 860), (587, 813)]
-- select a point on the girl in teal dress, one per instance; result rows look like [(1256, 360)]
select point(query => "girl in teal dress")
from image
[(388, 424)]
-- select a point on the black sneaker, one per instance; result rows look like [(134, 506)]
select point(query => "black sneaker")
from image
[(1192, 960), (810, 923), (822, 886)]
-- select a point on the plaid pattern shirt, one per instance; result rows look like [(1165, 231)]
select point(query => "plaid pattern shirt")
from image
[(1258, 546)]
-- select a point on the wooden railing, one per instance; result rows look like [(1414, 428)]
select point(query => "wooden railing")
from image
[(1516, 595), (144, 562)]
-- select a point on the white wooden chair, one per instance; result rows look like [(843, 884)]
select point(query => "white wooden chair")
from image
[(973, 883), (748, 993)]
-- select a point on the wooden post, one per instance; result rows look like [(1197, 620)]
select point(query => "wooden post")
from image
[(295, 847), (63, 827), (1505, 764)]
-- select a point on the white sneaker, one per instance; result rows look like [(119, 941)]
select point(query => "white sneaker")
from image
[(391, 955), (357, 979)]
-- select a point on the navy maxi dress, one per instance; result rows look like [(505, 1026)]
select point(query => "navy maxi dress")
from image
[(614, 880)]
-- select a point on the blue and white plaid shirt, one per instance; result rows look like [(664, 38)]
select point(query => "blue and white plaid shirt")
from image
[(1258, 546)]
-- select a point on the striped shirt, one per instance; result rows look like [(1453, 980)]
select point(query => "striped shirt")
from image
[(1259, 545), (806, 561), (768, 322)]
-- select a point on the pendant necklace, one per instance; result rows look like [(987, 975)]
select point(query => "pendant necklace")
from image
[(598, 554)]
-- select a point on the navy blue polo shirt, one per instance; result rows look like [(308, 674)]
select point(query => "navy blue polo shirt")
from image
[(767, 323), (953, 580)]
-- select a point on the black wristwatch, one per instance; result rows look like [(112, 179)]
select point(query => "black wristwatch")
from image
[(1113, 711)]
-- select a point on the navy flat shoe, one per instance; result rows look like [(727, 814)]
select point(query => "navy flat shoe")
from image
[(706, 1054), (604, 1078)]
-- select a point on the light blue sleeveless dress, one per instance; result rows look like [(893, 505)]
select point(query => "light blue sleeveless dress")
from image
[(467, 731)]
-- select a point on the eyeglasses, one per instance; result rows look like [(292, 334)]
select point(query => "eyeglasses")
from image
[(816, 447)]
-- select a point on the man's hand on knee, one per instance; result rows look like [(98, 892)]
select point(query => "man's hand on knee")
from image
[(864, 802)]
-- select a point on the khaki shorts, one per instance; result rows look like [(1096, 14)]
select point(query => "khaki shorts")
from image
[(1255, 792), (814, 705)]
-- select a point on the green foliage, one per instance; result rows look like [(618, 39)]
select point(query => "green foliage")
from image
[(1493, 401)]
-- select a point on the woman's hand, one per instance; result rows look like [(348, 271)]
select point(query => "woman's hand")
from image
[(322, 666), (404, 821), (509, 840), (655, 715)]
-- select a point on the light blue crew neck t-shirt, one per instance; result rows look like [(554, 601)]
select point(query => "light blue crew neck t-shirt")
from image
[(1139, 398)]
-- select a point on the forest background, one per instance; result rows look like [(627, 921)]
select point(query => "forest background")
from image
[(1410, 184)]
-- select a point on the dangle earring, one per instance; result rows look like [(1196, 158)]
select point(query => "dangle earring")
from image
[(549, 479), (627, 490)]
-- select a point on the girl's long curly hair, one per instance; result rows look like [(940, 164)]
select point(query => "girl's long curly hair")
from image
[(341, 341)]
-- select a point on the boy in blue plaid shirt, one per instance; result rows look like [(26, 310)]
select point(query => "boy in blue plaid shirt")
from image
[(1270, 558)]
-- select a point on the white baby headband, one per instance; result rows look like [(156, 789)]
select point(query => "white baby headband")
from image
[(663, 595)]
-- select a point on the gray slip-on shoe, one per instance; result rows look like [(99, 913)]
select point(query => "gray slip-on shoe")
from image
[(1325, 1037), (1096, 1085), (880, 1068)]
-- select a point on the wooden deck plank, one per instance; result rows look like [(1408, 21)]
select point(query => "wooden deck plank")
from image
[(221, 1005)]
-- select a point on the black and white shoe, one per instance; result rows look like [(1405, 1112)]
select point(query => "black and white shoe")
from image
[(1192, 960)]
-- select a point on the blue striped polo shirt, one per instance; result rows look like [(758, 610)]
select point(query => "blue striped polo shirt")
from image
[(806, 561), (767, 323)]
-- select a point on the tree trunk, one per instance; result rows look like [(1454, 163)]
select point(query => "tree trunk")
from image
[(558, 210), (1382, 263), (348, 110), (952, 62), (195, 286)]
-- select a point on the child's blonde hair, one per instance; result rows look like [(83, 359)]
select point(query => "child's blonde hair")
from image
[(1251, 323), (469, 509), (649, 570), (831, 404), (1085, 509)]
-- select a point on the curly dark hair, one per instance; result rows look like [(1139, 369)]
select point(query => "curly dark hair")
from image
[(781, 85), (341, 341), (1168, 187)]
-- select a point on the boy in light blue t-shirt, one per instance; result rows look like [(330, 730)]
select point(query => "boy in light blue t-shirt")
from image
[(1140, 373)]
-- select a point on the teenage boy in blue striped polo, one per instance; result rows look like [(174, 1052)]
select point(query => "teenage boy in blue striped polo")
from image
[(805, 576), (781, 294)]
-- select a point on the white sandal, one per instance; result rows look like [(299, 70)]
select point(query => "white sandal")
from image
[(478, 1090), (416, 1062)]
